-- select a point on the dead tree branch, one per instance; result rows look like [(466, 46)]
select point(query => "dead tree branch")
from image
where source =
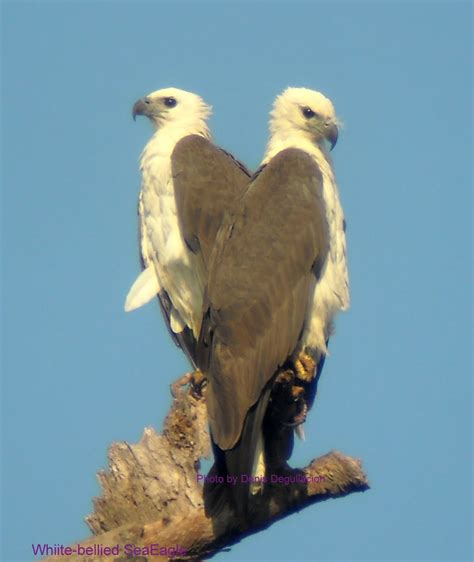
[(151, 494)]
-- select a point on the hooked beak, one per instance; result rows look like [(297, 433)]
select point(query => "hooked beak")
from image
[(331, 134), (141, 107)]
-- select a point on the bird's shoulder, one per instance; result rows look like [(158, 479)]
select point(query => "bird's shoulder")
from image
[(290, 163), (199, 153), (207, 183)]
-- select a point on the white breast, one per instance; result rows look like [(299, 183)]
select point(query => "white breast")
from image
[(176, 267), (331, 292)]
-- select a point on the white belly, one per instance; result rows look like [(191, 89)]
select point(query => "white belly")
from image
[(176, 267), (331, 293)]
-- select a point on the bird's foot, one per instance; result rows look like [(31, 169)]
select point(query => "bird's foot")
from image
[(196, 380), (305, 367), (300, 411), (198, 383), (300, 417), (284, 377), (294, 408)]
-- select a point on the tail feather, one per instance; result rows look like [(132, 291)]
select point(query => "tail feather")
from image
[(237, 465), (265, 445)]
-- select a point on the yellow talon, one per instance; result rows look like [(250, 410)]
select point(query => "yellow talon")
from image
[(284, 377), (198, 383), (305, 367), (296, 392)]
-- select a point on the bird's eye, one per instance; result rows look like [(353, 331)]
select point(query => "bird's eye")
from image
[(170, 102), (308, 112)]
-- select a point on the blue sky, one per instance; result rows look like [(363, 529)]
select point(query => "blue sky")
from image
[(79, 373)]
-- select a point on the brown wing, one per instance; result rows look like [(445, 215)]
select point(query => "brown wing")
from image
[(207, 182), (260, 277)]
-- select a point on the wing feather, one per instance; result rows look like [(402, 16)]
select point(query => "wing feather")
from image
[(260, 277), (206, 182)]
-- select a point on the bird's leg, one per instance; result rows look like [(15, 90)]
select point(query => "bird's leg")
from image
[(298, 394), (299, 408), (282, 399), (195, 379), (284, 377), (304, 367)]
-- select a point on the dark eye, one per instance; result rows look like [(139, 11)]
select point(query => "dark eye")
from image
[(308, 112), (170, 102)]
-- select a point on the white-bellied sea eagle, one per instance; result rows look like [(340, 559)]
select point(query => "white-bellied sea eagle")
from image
[(188, 184)]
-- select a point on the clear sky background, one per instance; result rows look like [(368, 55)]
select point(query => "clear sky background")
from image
[(78, 373)]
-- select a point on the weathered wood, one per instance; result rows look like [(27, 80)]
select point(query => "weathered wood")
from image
[(151, 494)]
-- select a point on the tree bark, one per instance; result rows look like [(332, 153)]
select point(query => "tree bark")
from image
[(152, 496)]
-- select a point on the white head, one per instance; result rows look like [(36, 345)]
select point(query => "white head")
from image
[(176, 108), (299, 113)]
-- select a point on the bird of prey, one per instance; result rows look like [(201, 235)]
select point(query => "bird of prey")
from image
[(277, 277), (188, 184)]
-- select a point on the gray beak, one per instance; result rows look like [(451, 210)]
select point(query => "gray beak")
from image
[(331, 134), (141, 107)]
